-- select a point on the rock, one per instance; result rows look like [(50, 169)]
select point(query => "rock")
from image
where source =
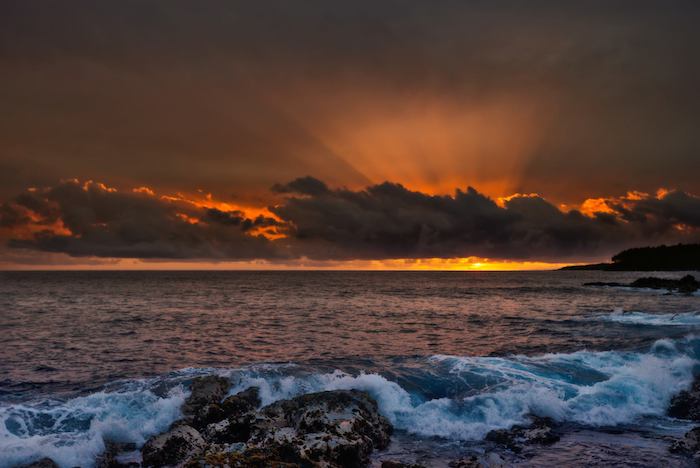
[(173, 447), (515, 438), (253, 458), (335, 429), (41, 463), (687, 284), (689, 444), (490, 460), (686, 405), (242, 402), (238, 414), (110, 457), (205, 391), (398, 464)]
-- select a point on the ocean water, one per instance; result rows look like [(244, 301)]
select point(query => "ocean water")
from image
[(89, 357)]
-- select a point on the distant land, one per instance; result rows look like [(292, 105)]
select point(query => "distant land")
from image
[(681, 257)]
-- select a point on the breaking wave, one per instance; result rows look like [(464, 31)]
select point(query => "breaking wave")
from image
[(478, 394)]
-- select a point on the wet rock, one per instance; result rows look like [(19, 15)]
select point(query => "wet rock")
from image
[(237, 417), (689, 444), (253, 458), (41, 463), (242, 402), (398, 464), (490, 460), (173, 447), (335, 429), (205, 391), (688, 284), (515, 438), (110, 456), (686, 405)]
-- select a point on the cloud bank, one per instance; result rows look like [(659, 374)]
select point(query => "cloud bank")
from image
[(317, 222)]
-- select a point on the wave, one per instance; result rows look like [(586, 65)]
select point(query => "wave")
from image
[(479, 394), (73, 433), (644, 318)]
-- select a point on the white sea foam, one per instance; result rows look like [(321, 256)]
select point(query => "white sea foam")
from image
[(645, 318), (593, 388), (72, 433)]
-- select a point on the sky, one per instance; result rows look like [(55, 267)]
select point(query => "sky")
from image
[(367, 134)]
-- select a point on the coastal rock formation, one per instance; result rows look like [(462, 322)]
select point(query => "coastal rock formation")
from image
[(516, 438), (686, 405), (327, 429), (489, 460), (205, 392), (689, 444), (337, 428), (398, 464), (686, 285), (173, 447)]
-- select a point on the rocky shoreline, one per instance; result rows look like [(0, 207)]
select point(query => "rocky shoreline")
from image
[(685, 285), (331, 429)]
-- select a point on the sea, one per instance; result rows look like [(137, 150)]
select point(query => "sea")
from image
[(88, 357)]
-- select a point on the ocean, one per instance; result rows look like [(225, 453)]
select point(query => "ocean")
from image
[(87, 357)]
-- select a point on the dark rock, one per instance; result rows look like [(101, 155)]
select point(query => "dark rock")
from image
[(237, 416), (109, 458), (687, 284), (336, 429), (515, 438), (686, 405), (689, 444), (173, 447), (398, 464), (42, 463), (490, 460), (207, 390), (253, 458), (242, 402)]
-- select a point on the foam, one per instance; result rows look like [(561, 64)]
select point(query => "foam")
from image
[(73, 432), (592, 388), (643, 318)]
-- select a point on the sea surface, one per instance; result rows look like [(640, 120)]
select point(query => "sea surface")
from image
[(87, 357)]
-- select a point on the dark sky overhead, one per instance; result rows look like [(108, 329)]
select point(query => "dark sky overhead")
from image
[(391, 110)]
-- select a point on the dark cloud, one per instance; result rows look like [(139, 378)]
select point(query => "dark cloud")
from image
[(304, 186), (93, 220), (320, 223), (390, 221)]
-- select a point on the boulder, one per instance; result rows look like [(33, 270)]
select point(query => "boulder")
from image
[(515, 438), (242, 402), (490, 460), (174, 447), (205, 391), (237, 416), (399, 464), (110, 457), (687, 284), (689, 444), (334, 429), (686, 405)]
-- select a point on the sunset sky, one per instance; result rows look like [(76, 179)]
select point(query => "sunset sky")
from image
[(317, 134)]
